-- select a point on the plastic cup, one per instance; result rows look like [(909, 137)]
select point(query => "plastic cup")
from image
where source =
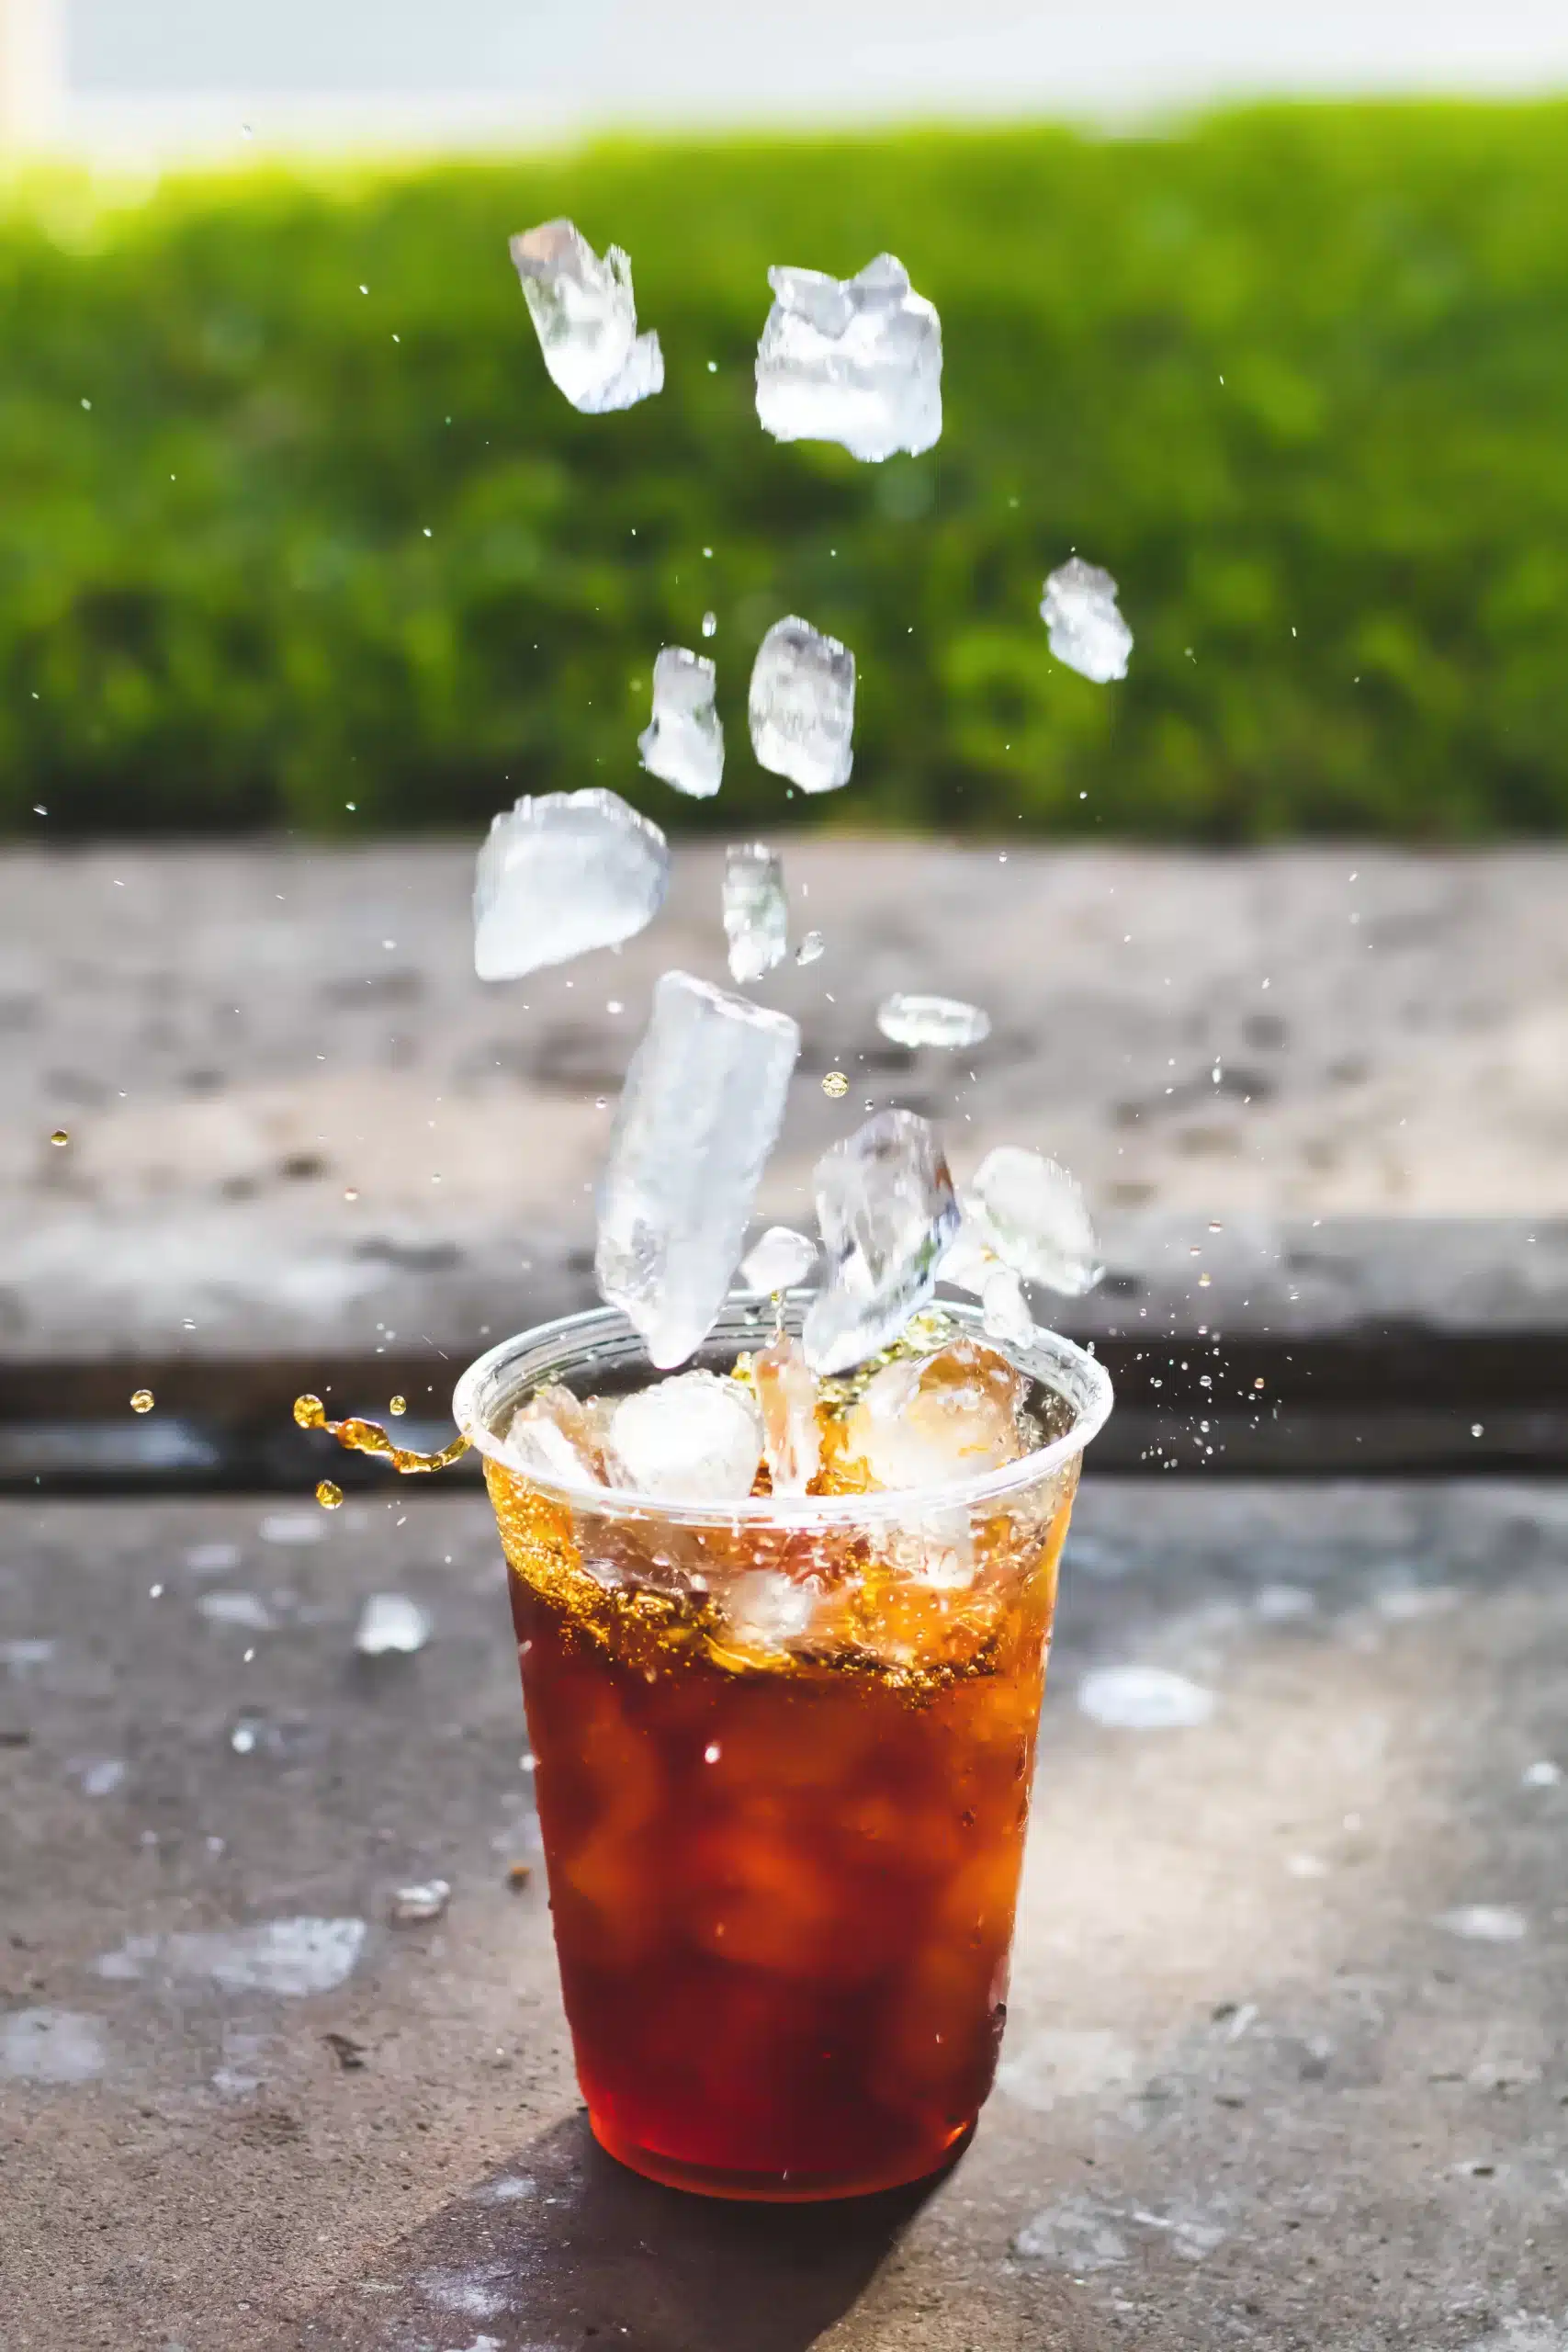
[(783, 1753)]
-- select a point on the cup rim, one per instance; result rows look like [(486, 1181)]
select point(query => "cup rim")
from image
[(1073, 1372)]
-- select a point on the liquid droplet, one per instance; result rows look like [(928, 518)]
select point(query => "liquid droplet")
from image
[(368, 1437), (328, 1496), (59, 1138), (351, 1192), (836, 1085), (310, 1413), (400, 1405), (142, 1400)]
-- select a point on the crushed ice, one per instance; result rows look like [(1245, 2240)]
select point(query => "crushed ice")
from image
[(1086, 631), (855, 360), (562, 875), (585, 316), (684, 742)]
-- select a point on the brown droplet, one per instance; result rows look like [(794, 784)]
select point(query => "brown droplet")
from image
[(310, 1412), (517, 1876), (329, 1495), (400, 1405), (836, 1085), (59, 1138), (142, 1400)]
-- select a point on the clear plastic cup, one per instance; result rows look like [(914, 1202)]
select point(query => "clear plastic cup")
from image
[(783, 1753)]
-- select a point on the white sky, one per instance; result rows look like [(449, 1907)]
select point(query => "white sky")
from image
[(562, 64)]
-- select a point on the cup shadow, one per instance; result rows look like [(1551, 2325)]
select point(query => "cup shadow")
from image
[(563, 2248)]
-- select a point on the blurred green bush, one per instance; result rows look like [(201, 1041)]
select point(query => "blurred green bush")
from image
[(294, 525)]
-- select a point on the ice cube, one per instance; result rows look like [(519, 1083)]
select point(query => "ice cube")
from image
[(1033, 1215), (562, 875), (553, 1438), (697, 1438), (767, 1612), (954, 1415), (810, 948), (932, 1021), (778, 1262), (586, 319), (684, 742), (802, 705), (1086, 632), (699, 1113), (756, 909), (1006, 1310), (786, 1393), (885, 1204), (415, 1907), (855, 360), (969, 1261), (391, 1624)]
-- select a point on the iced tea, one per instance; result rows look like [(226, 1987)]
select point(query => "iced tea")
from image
[(783, 1761)]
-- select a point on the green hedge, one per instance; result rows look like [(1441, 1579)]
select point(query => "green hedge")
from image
[(1299, 377)]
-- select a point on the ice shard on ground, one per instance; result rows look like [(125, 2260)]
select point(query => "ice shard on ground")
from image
[(699, 1115), (855, 360), (1086, 631), (1033, 1215), (802, 705), (586, 319), (756, 910), (887, 1210), (562, 874), (682, 743), (932, 1021)]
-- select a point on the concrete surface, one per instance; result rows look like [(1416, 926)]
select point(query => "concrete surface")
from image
[(1286, 2063), (237, 1040)]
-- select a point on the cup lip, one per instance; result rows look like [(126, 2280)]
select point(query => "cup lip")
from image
[(1049, 1354)]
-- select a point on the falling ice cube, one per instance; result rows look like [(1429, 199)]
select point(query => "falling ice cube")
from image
[(786, 1393), (699, 1113), (810, 948), (855, 360), (391, 1626), (886, 1204), (932, 1021), (1006, 1310), (684, 742), (586, 319), (1086, 631), (1033, 1215), (697, 1438), (968, 1261), (803, 705), (778, 1262), (562, 875), (954, 1415), (756, 910)]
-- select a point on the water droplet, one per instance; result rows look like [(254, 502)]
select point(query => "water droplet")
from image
[(711, 1753), (351, 1192), (710, 624), (59, 1138), (142, 1400), (1214, 1226), (399, 1404), (836, 1085), (329, 1495)]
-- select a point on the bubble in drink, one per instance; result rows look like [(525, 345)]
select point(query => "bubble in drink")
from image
[(1086, 631), (142, 1400), (855, 360), (781, 1259), (756, 910), (585, 316), (801, 707), (329, 1495), (1033, 1215), (932, 1021), (684, 742), (700, 1112), (562, 875), (887, 1211)]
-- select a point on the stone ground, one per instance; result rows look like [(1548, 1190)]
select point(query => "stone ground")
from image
[(1286, 2065), (237, 1039)]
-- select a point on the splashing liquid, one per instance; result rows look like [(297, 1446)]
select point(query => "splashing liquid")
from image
[(370, 1437)]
